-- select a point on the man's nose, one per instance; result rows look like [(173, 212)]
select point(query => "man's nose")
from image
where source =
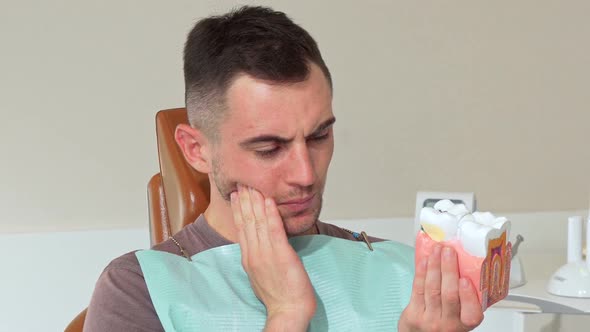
[(300, 164)]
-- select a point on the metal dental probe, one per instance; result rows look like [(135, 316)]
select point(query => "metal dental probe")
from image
[(517, 243)]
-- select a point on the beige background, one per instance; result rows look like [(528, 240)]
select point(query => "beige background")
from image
[(490, 97)]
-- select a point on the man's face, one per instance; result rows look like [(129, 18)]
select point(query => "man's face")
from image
[(278, 139)]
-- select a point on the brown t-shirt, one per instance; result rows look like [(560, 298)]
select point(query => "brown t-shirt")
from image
[(121, 301)]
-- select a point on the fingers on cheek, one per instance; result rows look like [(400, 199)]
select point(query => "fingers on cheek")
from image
[(276, 229), (246, 205), (236, 209), (239, 222), (272, 213), (260, 217), (257, 201), (243, 249)]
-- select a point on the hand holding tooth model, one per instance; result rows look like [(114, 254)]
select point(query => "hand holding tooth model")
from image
[(480, 240)]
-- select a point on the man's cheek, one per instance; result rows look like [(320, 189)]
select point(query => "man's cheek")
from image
[(263, 181), (266, 182)]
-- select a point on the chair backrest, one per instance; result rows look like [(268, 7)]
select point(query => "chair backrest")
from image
[(178, 194)]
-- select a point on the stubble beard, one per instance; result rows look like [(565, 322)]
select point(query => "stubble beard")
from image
[(292, 226), (224, 187)]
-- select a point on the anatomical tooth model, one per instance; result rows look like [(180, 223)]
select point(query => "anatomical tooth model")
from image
[(480, 240)]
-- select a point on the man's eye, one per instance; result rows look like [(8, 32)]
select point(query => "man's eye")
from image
[(267, 153), (320, 137)]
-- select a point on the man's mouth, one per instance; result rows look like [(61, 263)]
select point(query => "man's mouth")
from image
[(298, 204)]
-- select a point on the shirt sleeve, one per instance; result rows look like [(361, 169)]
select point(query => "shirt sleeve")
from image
[(121, 301)]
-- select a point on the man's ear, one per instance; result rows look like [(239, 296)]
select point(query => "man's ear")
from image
[(194, 146)]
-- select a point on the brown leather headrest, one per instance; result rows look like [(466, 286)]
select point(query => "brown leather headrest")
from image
[(186, 190)]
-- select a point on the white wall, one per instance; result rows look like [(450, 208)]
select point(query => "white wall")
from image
[(487, 97)]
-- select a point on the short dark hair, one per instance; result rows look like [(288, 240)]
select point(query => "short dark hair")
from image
[(257, 41)]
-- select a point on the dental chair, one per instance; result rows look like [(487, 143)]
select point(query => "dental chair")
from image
[(176, 196)]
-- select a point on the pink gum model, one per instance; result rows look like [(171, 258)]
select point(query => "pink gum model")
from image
[(490, 275)]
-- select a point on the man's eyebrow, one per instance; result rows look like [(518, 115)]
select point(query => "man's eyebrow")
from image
[(283, 140), (265, 139), (326, 124)]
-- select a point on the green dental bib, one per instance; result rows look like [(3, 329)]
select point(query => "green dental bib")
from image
[(356, 289)]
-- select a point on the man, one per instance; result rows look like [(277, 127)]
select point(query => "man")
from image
[(259, 101)]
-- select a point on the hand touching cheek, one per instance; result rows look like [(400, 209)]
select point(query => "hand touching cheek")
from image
[(276, 273)]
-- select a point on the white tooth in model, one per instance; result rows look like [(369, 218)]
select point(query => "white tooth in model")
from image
[(447, 221), (458, 210), (443, 205), (440, 226), (440, 222)]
